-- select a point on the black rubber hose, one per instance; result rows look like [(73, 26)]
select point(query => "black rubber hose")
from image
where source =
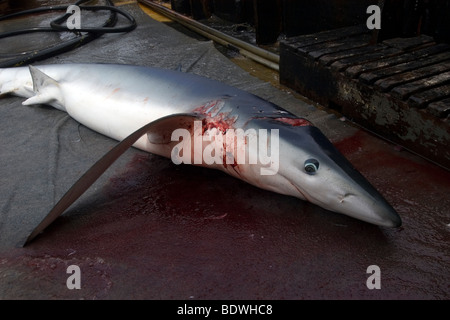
[(56, 24), (88, 35)]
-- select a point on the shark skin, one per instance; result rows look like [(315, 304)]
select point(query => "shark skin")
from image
[(117, 100)]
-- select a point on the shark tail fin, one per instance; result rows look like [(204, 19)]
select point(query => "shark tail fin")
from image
[(47, 90)]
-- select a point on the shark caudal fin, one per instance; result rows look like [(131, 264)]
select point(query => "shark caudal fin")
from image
[(46, 90)]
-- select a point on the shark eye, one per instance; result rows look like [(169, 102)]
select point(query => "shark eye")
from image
[(311, 166)]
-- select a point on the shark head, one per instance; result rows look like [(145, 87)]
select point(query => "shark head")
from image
[(312, 169)]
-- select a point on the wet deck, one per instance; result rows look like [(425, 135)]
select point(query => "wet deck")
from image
[(152, 230)]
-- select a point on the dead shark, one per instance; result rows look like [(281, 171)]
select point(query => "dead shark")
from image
[(146, 105)]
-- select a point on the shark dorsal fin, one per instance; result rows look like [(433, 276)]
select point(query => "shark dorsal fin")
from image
[(47, 90)]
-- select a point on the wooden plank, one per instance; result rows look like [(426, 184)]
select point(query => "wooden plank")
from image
[(423, 98), (332, 57), (409, 43), (430, 50), (325, 36), (332, 47), (404, 90), (388, 83), (440, 109), (345, 63), (359, 70), (376, 75), (371, 71), (342, 40)]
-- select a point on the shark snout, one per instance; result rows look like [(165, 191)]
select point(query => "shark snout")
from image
[(370, 207), (385, 215)]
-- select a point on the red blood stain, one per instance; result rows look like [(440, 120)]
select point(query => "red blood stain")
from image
[(166, 231), (351, 144), (221, 122), (208, 108), (295, 122)]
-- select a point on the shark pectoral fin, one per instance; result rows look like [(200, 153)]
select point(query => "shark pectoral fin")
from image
[(46, 89), (161, 130), (158, 130)]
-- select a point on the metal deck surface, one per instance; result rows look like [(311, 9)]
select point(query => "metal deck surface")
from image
[(152, 230)]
